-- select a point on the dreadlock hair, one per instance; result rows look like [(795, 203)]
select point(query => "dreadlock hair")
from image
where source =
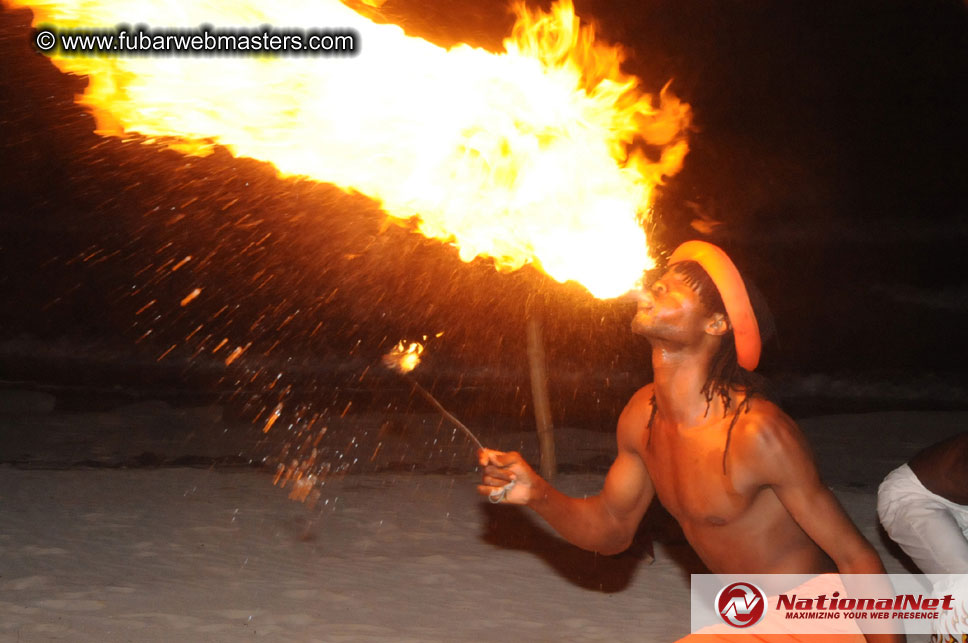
[(725, 373)]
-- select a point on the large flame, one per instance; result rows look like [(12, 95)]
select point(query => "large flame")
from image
[(531, 155)]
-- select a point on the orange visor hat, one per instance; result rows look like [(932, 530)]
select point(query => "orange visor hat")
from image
[(729, 283)]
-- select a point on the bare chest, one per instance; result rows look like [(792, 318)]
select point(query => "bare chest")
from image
[(687, 470)]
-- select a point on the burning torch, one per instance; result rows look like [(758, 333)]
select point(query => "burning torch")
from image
[(403, 358)]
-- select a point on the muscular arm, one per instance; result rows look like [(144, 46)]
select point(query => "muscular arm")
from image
[(784, 462), (787, 466), (604, 523)]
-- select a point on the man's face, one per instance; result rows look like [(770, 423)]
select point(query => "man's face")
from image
[(670, 309)]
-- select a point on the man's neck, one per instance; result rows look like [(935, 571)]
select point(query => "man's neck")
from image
[(680, 374)]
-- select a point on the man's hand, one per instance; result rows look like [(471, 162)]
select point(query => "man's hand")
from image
[(500, 468)]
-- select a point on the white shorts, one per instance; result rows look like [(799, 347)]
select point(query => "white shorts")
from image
[(933, 531), (930, 529)]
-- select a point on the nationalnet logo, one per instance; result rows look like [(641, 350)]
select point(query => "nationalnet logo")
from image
[(848, 604), (741, 604)]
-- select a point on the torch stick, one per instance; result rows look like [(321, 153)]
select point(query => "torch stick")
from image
[(539, 394), (403, 359), (440, 407)]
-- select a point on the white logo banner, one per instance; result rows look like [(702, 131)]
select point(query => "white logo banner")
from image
[(848, 604)]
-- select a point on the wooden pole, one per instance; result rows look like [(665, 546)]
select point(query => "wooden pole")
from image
[(539, 394)]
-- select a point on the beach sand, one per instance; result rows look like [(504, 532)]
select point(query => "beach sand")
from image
[(105, 552)]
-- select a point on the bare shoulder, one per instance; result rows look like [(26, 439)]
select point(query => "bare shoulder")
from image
[(766, 434), (943, 468), (634, 420), (949, 450)]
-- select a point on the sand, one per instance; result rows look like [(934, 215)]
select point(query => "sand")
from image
[(217, 553)]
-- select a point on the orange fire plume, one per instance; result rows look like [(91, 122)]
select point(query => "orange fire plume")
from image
[(527, 156)]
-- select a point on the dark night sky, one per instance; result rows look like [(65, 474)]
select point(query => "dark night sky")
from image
[(829, 141)]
